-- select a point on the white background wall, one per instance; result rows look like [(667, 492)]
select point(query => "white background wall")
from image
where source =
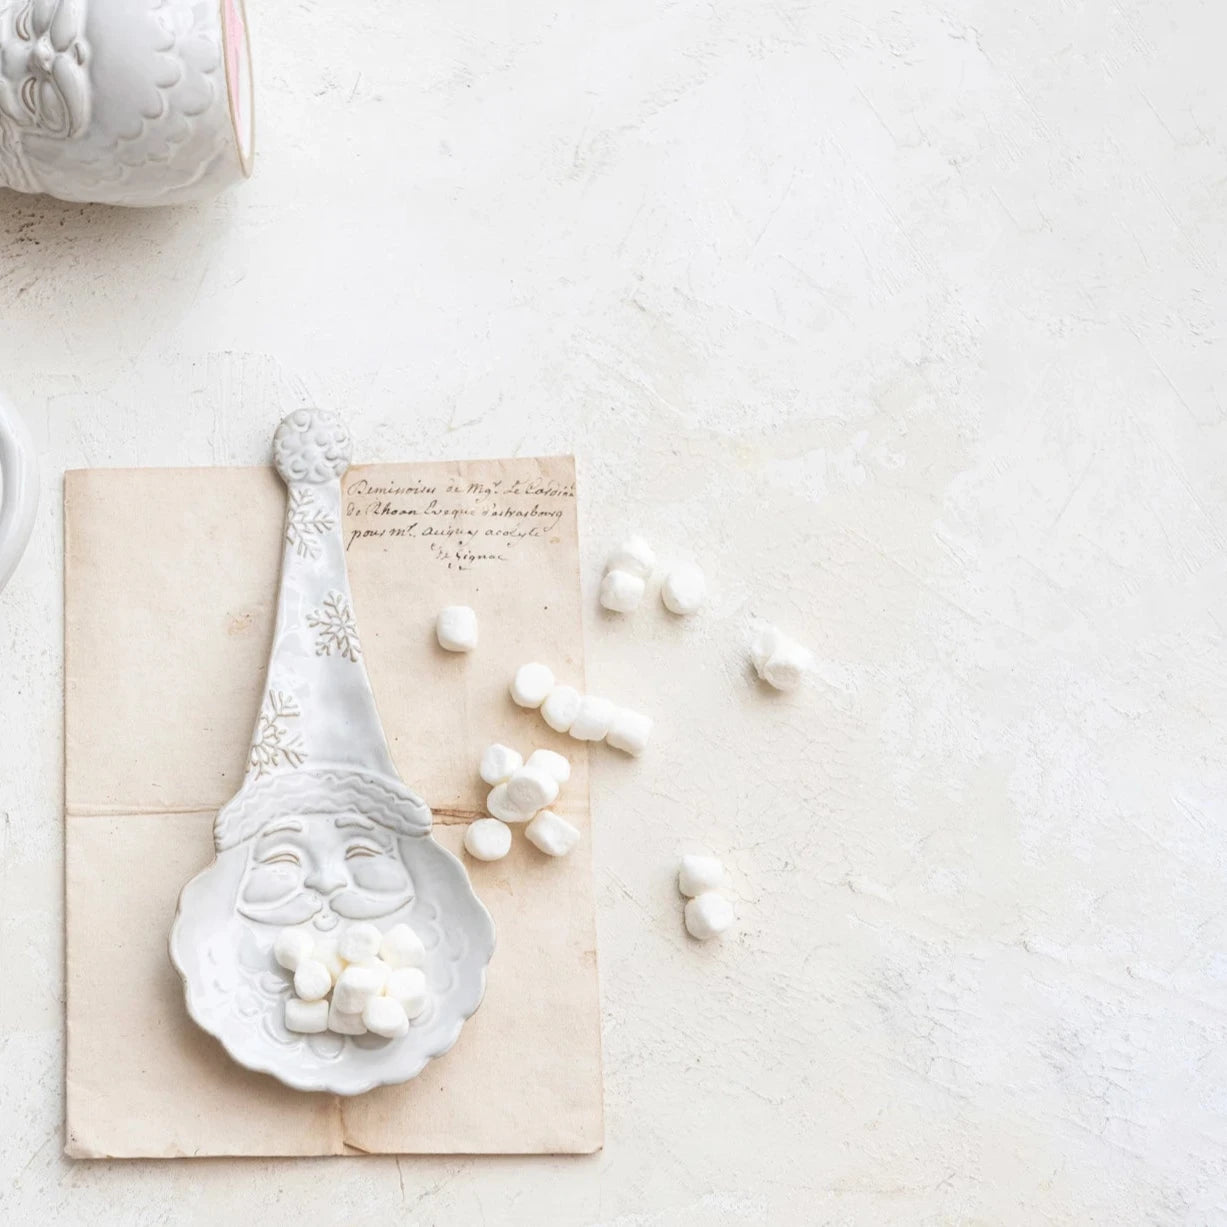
[(905, 320)]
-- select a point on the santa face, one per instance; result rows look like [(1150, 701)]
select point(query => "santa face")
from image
[(322, 868), (44, 66), (304, 864)]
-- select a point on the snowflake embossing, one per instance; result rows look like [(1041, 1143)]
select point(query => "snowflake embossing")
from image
[(274, 744), (338, 632), (306, 524)]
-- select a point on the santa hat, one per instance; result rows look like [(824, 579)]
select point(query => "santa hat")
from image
[(318, 745)]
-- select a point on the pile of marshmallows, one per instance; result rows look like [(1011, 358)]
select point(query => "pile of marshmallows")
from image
[(521, 792), (586, 717), (375, 980)]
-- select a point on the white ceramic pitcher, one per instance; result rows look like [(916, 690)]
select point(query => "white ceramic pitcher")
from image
[(18, 489), (125, 102)]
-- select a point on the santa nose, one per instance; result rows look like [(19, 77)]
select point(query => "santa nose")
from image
[(42, 55), (326, 879)]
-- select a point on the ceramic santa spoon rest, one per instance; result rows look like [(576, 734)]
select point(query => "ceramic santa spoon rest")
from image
[(323, 834)]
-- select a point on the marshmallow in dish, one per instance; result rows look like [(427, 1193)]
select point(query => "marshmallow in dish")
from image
[(359, 981)]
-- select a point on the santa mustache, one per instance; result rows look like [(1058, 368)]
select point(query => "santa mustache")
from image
[(306, 904), (72, 82)]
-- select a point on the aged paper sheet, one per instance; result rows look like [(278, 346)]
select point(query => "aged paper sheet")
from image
[(170, 583)]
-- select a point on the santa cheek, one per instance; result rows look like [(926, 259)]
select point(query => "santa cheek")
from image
[(265, 885), (379, 875)]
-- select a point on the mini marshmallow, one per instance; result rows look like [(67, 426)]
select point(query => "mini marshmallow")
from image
[(401, 947), (379, 967), (532, 684), (357, 985), (344, 1023), (593, 718), (708, 915), (408, 987), (456, 628), (780, 661), (634, 557), (306, 1017), (621, 591), (552, 834), (292, 946), (385, 1016), (531, 789), (629, 731), (498, 805), (325, 951), (699, 874), (762, 642), (312, 980), (558, 765), (560, 708), (498, 762), (684, 589), (359, 942), (487, 839)]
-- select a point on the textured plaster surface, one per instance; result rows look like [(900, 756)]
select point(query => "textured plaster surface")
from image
[(904, 320)]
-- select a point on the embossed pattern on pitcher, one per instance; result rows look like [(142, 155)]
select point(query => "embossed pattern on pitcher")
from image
[(120, 101)]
